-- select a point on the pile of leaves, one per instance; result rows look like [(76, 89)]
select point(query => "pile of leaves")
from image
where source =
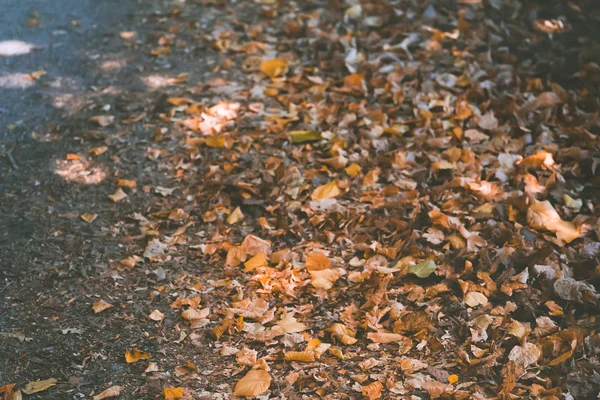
[(381, 199)]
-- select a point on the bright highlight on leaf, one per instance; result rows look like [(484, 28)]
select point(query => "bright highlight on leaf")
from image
[(173, 393)]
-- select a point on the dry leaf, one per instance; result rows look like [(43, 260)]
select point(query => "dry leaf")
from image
[(274, 68), (541, 215), (89, 218), (103, 120), (38, 386), (156, 316), (100, 306), (173, 393), (135, 355), (317, 261), (235, 217), (118, 195), (327, 191), (373, 390), (113, 391), (256, 381), (474, 299)]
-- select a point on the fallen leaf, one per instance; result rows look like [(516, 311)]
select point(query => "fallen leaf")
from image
[(103, 120), (89, 218), (235, 217), (474, 299), (135, 355), (100, 306), (255, 382), (39, 386), (113, 391), (173, 393), (118, 195), (373, 390), (424, 269), (304, 136), (274, 68), (156, 316), (327, 191)]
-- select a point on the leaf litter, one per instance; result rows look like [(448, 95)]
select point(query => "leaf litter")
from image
[(370, 201)]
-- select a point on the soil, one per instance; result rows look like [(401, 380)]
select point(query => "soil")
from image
[(53, 265)]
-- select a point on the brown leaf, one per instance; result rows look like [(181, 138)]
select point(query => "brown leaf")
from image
[(100, 306), (39, 386), (373, 390)]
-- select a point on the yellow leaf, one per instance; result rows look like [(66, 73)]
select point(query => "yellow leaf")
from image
[(89, 218), (100, 306), (304, 136), (259, 260), (256, 381), (135, 355), (215, 141), (113, 391), (327, 191), (452, 379), (352, 170), (541, 215), (172, 393), (38, 386), (235, 217), (274, 68)]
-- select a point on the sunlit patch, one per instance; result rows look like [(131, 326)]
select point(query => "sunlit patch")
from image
[(154, 82), (112, 65), (15, 48), (80, 170), (16, 81)]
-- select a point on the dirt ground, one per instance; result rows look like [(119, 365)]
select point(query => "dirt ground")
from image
[(103, 58)]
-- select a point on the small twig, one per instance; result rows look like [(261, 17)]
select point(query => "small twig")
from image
[(12, 160), (6, 286)]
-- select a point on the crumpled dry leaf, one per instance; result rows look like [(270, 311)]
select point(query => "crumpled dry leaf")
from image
[(373, 390), (38, 386), (290, 325), (113, 391), (541, 215), (118, 195), (100, 306), (255, 382), (155, 249), (524, 356), (156, 316), (135, 355), (103, 120)]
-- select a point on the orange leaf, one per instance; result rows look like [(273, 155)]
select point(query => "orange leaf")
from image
[(256, 381), (173, 393), (317, 261), (135, 355), (274, 68)]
